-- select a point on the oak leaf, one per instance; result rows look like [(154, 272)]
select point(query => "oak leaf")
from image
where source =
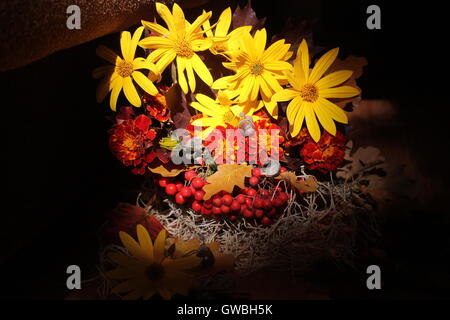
[(226, 178), (308, 185), (247, 17)]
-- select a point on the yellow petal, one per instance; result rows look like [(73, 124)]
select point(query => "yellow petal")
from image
[(223, 98), (298, 122), (222, 83), (190, 75), (246, 88), (292, 79), (126, 262), (339, 92), (179, 21), (285, 95), (160, 30), (141, 63), (181, 66), (116, 85), (134, 41), (144, 83), (165, 14), (179, 282), (255, 89), (224, 23), (201, 44), (323, 64), (278, 66), (265, 87), (208, 103), (207, 27), (311, 121), (260, 42), (275, 51), (155, 55), (107, 54), (156, 43), (158, 249), (132, 246), (206, 122), (165, 60), (130, 92), (325, 119), (292, 109), (188, 262), (145, 242), (125, 41), (249, 43), (197, 23), (271, 81), (272, 108), (333, 110), (299, 75), (303, 53), (334, 79)]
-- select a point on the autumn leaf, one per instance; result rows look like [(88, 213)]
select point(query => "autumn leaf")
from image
[(294, 33), (247, 17), (359, 160), (226, 178), (178, 105), (355, 64), (308, 185), (167, 169)]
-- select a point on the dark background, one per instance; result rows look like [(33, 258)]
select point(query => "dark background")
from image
[(61, 177)]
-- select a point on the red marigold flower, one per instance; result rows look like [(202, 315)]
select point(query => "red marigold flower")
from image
[(157, 105), (131, 141), (325, 155)]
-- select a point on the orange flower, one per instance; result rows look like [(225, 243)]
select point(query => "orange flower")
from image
[(131, 141), (325, 155), (156, 105)]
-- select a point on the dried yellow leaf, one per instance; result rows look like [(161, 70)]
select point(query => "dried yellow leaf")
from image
[(226, 178)]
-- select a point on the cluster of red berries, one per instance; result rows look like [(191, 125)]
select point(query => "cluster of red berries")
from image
[(260, 204)]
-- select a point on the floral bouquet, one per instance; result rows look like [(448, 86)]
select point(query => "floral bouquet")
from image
[(241, 142)]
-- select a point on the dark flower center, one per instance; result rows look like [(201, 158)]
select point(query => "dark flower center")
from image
[(155, 272)]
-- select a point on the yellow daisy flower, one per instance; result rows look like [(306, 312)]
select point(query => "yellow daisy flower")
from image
[(258, 70), (219, 112), (310, 91), (180, 41), (124, 71), (148, 271), (223, 42)]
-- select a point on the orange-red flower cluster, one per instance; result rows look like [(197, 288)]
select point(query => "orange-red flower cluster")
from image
[(131, 141), (325, 155)]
